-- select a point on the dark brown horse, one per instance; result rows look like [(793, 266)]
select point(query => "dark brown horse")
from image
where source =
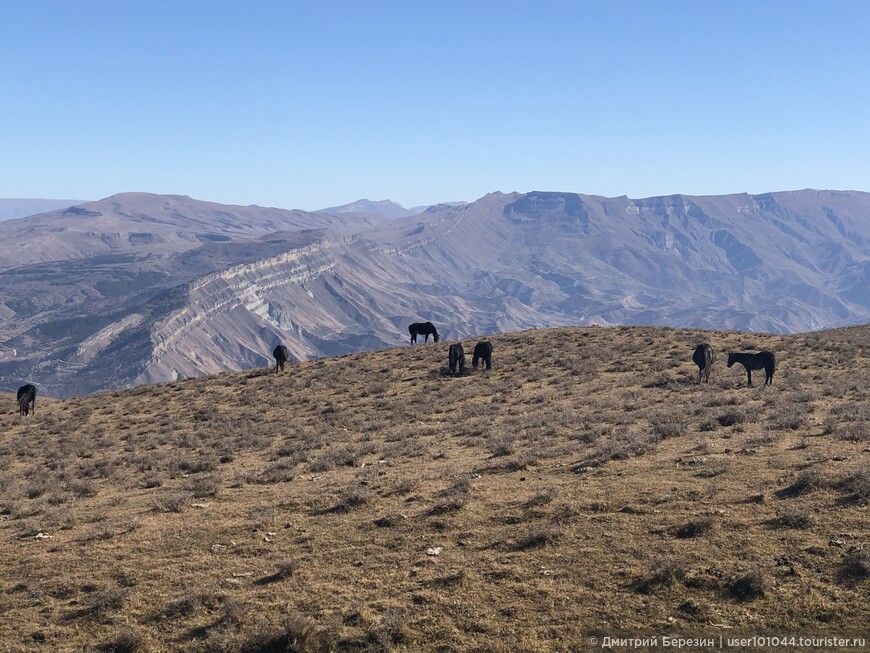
[(482, 352), (281, 356), (704, 357), (422, 329), (27, 399), (456, 359), (762, 360)]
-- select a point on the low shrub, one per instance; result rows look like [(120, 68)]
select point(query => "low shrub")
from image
[(749, 586), (695, 527)]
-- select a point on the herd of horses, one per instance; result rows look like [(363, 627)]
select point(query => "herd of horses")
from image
[(704, 357)]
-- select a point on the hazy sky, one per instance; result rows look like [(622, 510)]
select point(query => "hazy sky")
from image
[(318, 103)]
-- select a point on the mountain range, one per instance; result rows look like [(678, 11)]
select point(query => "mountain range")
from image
[(140, 288)]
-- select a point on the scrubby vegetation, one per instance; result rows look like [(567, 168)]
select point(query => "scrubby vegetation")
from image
[(585, 485)]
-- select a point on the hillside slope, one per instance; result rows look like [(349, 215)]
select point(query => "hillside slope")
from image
[(586, 486)]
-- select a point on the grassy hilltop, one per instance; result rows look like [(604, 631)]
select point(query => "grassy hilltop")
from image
[(586, 486)]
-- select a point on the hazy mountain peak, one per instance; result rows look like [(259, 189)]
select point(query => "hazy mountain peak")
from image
[(383, 208)]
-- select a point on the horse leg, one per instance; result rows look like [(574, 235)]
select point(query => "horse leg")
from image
[(749, 376)]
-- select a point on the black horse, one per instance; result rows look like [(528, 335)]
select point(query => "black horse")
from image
[(762, 360), (422, 329), (482, 351), (456, 358), (27, 399), (281, 356), (704, 357)]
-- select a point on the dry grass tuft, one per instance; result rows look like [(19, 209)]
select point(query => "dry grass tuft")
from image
[(806, 481), (664, 573), (794, 518), (750, 586), (124, 641), (856, 565), (695, 527), (856, 484), (536, 537)]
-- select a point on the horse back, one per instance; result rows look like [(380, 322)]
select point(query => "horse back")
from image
[(704, 355), (761, 360), (27, 392)]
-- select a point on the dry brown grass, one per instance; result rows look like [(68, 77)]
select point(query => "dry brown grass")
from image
[(586, 485)]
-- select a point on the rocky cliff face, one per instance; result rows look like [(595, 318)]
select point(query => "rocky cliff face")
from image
[(117, 311)]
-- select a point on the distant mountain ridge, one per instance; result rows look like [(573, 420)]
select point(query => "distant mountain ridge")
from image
[(383, 208), (13, 208), (145, 223), (386, 208), (142, 288)]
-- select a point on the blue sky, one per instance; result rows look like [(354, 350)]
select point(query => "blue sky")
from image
[(313, 104)]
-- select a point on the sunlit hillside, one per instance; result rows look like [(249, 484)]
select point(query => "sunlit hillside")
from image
[(586, 486)]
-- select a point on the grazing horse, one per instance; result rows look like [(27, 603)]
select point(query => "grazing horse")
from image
[(281, 356), (456, 357), (422, 329), (482, 351), (704, 357), (27, 399), (762, 360)]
